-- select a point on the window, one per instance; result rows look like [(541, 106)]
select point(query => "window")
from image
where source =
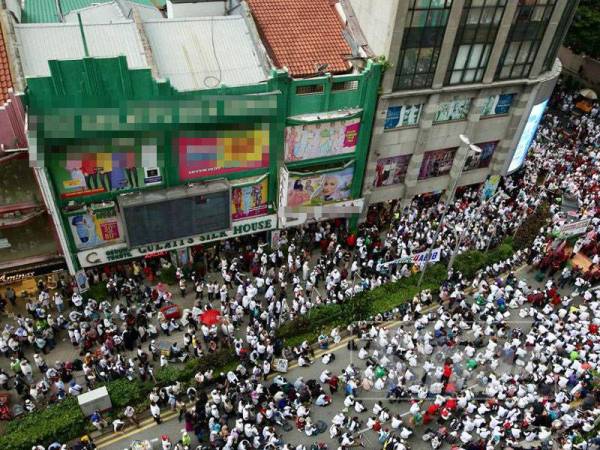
[(423, 36), (402, 116), (524, 38), (344, 86), (454, 110), (497, 104), (309, 89), (483, 159), (559, 36), (437, 163), (475, 38)]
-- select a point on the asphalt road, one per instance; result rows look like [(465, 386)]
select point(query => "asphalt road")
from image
[(344, 357)]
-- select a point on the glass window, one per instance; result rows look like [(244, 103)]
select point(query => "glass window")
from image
[(474, 41), (559, 36), (524, 38), (421, 43)]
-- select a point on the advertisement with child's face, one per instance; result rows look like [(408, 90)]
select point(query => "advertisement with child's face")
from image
[(318, 189)]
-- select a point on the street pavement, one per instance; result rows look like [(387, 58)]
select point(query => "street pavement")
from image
[(343, 357)]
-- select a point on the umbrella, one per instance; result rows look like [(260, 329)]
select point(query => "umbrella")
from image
[(210, 317), (588, 93)]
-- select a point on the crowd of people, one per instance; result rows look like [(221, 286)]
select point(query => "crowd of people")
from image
[(441, 364)]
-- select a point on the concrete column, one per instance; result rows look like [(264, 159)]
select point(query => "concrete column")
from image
[(551, 30), (448, 43), (425, 128), (505, 24), (463, 151), (387, 84)]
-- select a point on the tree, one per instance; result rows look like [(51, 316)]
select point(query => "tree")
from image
[(583, 36)]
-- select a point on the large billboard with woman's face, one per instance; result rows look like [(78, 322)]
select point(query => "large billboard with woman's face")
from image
[(321, 188)]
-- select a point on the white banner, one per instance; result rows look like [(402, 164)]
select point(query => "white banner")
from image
[(418, 258), (574, 228)]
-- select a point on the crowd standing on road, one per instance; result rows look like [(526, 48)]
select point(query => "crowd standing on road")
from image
[(441, 363)]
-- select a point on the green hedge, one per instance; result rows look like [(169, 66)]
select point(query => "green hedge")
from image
[(531, 226), (64, 422), (61, 422)]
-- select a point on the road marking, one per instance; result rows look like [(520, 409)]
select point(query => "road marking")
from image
[(114, 438)]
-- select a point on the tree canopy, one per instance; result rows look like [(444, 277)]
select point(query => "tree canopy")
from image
[(583, 36)]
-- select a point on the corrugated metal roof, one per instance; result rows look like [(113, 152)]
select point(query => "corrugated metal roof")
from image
[(40, 43), (184, 52), (45, 11), (102, 13), (40, 11)]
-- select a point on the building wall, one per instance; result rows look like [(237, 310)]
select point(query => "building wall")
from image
[(376, 19), (408, 149), (116, 115)]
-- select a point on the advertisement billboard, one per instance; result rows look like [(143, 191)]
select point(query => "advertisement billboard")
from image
[(483, 159), (317, 140), (220, 152), (321, 188), (497, 104), (537, 112), (249, 200), (437, 163), (402, 116), (94, 227), (454, 110), (177, 213), (391, 171), (81, 171)]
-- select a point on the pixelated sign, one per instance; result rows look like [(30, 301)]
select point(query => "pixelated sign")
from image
[(221, 152)]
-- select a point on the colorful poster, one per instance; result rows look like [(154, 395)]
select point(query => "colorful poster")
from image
[(454, 110), (87, 170), (92, 228), (391, 171), (317, 140), (402, 116), (483, 159), (318, 189), (497, 104), (490, 186), (221, 152), (437, 163), (249, 201)]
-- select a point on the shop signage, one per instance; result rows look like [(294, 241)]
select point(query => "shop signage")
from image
[(16, 276), (116, 253)]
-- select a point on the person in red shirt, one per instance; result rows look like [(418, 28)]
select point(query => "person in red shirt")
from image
[(447, 372)]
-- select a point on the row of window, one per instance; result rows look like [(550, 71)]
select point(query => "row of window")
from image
[(436, 163), (476, 35), (409, 115)]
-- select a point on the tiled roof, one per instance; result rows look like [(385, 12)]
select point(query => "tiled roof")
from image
[(5, 78), (302, 35)]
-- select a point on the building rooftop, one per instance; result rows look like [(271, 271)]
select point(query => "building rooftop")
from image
[(204, 52), (40, 43), (302, 35), (47, 11), (5, 75)]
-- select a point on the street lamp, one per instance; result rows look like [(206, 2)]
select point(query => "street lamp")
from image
[(470, 148)]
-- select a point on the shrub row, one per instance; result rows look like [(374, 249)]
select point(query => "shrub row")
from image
[(64, 421)]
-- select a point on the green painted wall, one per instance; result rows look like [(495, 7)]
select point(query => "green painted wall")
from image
[(99, 102), (46, 11)]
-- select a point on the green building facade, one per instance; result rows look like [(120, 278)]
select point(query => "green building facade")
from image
[(102, 135)]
